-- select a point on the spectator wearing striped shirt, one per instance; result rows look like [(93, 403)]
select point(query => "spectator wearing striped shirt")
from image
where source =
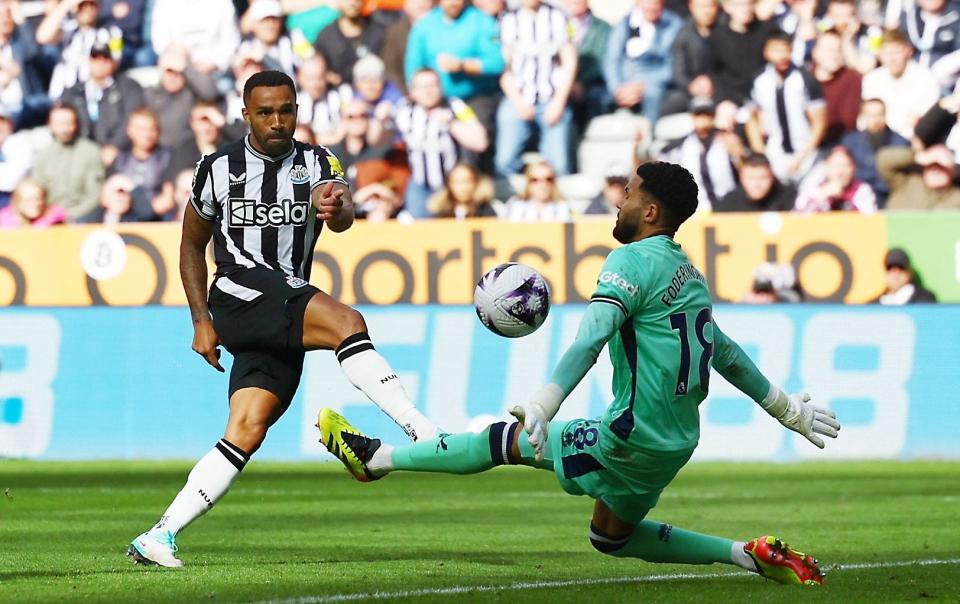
[(542, 67), (318, 103), (787, 105), (436, 131), (709, 154), (832, 186), (638, 65), (72, 28), (540, 200)]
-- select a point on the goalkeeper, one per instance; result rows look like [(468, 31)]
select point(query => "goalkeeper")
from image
[(652, 309)]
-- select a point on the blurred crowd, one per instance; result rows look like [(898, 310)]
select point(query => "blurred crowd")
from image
[(524, 111)]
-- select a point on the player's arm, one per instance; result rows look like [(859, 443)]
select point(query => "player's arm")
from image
[(599, 324), (618, 286), (334, 205), (793, 411), (197, 232), (330, 193)]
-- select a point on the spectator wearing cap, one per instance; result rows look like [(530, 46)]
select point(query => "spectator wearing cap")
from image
[(709, 154), (638, 64), (466, 194), (180, 87), (907, 88), (541, 69), (145, 165), (540, 200), (832, 186), (69, 168), (130, 16), (919, 182), (104, 102), (73, 27), (759, 190), (395, 40), (841, 86), (116, 202), (788, 106), (370, 85), (319, 103), (589, 97), (268, 38), (933, 28), (349, 38), (461, 44), (22, 89), (865, 142), (29, 208), (16, 155), (902, 285), (613, 194), (208, 29), (691, 58)]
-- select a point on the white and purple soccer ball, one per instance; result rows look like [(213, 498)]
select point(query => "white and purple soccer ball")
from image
[(512, 300)]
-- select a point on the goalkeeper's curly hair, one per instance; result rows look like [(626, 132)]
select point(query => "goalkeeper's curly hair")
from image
[(674, 189)]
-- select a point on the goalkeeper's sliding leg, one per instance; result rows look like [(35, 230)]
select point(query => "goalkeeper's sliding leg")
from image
[(618, 527)]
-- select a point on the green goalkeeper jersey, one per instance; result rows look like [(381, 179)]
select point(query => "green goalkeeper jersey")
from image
[(661, 353)]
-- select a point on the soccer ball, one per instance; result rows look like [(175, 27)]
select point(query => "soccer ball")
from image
[(512, 300)]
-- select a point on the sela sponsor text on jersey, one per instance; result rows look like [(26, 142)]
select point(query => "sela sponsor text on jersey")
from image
[(247, 213)]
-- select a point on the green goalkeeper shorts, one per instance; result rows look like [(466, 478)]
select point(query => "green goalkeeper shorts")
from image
[(628, 480)]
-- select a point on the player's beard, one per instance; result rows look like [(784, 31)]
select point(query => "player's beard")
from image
[(625, 229), (276, 147)]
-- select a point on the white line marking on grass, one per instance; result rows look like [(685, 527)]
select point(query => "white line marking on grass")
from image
[(529, 585)]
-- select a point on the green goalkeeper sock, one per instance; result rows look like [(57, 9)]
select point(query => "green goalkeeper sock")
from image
[(465, 453), (657, 542)]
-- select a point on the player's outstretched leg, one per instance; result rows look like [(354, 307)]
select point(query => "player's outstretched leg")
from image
[(252, 412), (369, 459), (654, 541), (328, 324)]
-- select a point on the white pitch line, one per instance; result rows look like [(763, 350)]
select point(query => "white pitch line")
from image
[(466, 589)]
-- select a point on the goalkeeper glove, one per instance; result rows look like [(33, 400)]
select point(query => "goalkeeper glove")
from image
[(536, 415), (796, 413)]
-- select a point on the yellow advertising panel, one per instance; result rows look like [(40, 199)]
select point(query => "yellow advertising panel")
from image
[(838, 258)]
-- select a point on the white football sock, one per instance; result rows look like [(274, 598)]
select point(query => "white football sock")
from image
[(207, 482), (381, 462), (372, 375), (741, 558)]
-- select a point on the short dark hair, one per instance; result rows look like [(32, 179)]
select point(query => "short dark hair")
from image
[(268, 78), (755, 160), (674, 189), (778, 35)]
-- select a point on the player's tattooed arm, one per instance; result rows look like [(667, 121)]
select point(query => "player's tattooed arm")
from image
[(193, 271), (334, 206)]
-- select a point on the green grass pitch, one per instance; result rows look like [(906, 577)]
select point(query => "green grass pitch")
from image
[(307, 533)]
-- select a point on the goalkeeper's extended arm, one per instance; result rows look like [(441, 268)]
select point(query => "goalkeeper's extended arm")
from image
[(599, 324), (793, 411)]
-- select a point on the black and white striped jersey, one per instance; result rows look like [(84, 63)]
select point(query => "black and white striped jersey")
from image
[(533, 41), (262, 206), (431, 149), (323, 114)]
